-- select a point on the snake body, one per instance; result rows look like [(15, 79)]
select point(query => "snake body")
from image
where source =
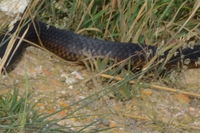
[(73, 47)]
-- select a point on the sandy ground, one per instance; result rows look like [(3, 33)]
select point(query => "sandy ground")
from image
[(57, 84)]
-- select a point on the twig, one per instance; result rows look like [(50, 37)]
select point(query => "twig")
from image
[(153, 86)]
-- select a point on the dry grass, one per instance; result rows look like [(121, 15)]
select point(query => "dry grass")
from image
[(168, 24)]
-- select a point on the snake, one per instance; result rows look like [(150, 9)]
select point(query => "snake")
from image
[(74, 47)]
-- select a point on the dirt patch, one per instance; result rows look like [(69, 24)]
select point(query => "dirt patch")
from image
[(57, 84)]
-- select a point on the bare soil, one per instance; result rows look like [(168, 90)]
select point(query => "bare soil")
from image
[(57, 84)]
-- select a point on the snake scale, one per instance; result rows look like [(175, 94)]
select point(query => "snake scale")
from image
[(73, 47)]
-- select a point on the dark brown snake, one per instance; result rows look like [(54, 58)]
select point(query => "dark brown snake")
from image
[(73, 47)]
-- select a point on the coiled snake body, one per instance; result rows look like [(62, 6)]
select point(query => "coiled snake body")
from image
[(71, 46)]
